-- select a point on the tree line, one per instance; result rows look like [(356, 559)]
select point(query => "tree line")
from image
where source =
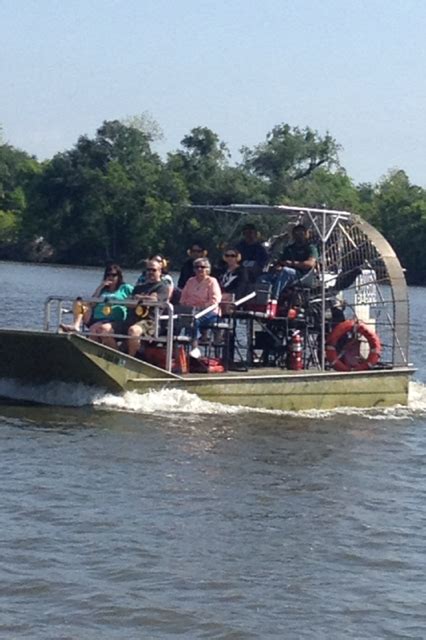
[(111, 197)]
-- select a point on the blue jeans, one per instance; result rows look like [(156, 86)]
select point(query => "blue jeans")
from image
[(204, 321), (280, 280)]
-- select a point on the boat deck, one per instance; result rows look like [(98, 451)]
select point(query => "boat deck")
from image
[(274, 372)]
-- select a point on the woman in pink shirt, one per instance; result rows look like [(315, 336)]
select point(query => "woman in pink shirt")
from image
[(202, 291)]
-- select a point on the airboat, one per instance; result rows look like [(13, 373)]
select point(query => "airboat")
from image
[(340, 340)]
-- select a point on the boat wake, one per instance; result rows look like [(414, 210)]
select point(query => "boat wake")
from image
[(184, 402), (54, 393), (166, 401), (417, 396), (79, 395)]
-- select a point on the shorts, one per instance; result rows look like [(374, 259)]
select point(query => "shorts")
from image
[(117, 325), (146, 324)]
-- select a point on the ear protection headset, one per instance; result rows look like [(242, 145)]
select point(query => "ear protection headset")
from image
[(202, 254), (250, 227), (164, 263), (237, 253), (141, 311)]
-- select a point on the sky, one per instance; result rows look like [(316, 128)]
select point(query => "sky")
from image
[(353, 68)]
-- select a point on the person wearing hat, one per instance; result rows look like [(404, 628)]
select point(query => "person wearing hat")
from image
[(298, 259), (254, 256), (195, 251)]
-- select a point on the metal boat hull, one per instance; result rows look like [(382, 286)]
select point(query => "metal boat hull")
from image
[(39, 357), (295, 391)]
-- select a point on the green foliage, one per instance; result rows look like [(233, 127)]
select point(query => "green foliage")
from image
[(201, 163), (289, 155), (146, 124), (112, 197), (102, 200), (400, 213), (334, 190), (18, 171), (206, 177), (9, 226)]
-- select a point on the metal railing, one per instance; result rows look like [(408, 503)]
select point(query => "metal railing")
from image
[(57, 306)]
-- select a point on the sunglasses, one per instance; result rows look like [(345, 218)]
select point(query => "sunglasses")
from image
[(112, 274), (201, 267), (230, 255)]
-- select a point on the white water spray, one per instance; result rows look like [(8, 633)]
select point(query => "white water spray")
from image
[(165, 401)]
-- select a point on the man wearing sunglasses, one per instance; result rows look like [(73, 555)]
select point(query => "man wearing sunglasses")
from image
[(141, 319)]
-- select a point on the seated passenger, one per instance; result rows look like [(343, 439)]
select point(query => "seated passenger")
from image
[(165, 276), (297, 260), (196, 250), (202, 291), (254, 256), (104, 317), (233, 278), (153, 289)]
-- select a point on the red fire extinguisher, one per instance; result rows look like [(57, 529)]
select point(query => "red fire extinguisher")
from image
[(271, 308), (295, 349)]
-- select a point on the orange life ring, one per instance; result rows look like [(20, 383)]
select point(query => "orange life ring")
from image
[(337, 360)]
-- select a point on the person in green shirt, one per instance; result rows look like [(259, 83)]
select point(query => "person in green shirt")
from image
[(105, 317), (298, 259)]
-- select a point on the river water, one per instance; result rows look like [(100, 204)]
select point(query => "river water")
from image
[(163, 516)]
